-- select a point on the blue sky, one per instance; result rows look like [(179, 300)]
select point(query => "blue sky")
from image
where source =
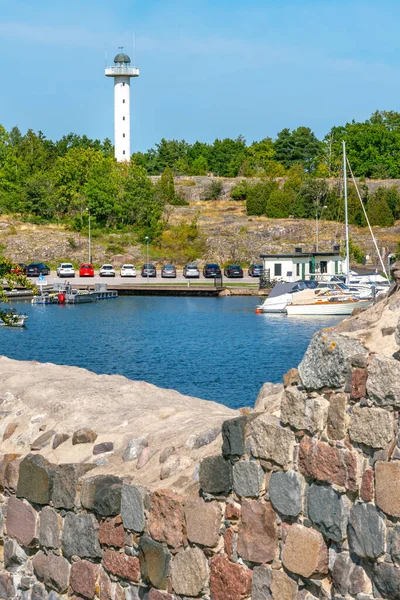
[(209, 68)]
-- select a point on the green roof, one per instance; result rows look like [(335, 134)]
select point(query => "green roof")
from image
[(122, 58)]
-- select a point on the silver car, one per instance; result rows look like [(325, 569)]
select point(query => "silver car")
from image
[(168, 271), (191, 270)]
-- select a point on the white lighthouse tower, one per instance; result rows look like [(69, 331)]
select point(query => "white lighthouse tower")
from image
[(122, 72)]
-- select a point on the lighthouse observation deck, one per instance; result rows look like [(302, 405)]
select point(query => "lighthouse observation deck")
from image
[(123, 71)]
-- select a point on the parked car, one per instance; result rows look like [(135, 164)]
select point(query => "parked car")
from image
[(107, 271), (65, 270), (20, 269), (36, 269), (168, 271), (128, 271), (191, 270), (86, 270), (211, 270), (148, 270), (233, 271), (255, 270)]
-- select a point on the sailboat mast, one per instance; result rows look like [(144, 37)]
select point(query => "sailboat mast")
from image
[(346, 212)]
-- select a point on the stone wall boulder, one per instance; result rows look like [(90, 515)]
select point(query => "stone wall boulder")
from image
[(371, 426), (271, 441), (327, 361), (302, 412), (269, 398), (189, 572), (383, 383), (305, 552)]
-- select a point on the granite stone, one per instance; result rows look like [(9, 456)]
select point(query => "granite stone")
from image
[(285, 492)]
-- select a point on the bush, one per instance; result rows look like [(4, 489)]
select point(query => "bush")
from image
[(184, 242), (239, 190), (356, 253), (213, 191)]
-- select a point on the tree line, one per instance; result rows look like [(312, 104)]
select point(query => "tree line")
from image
[(66, 180), (373, 148)]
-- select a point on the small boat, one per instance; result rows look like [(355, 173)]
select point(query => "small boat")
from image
[(323, 302), (45, 298), (13, 319), (281, 295), (78, 297)]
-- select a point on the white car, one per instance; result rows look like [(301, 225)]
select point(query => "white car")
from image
[(107, 271), (128, 271), (65, 270)]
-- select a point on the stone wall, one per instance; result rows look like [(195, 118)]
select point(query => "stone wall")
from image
[(301, 507)]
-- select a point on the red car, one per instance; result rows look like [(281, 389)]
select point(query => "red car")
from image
[(86, 270), (20, 269)]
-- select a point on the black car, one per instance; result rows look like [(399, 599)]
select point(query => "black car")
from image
[(255, 270), (211, 270), (148, 270), (36, 269), (233, 271)]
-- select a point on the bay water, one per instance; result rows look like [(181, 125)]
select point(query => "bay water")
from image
[(212, 348)]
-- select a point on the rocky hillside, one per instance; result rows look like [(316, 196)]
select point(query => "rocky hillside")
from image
[(229, 233)]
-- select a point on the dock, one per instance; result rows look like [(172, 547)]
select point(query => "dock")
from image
[(157, 290)]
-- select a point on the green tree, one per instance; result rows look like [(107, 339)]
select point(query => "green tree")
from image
[(71, 175), (298, 146), (227, 156), (142, 203), (279, 204), (167, 186), (258, 195), (378, 209), (199, 166)]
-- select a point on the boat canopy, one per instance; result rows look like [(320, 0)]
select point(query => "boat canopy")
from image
[(289, 288)]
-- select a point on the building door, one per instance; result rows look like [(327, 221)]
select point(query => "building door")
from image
[(303, 270)]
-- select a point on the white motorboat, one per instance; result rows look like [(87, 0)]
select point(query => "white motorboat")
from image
[(14, 320), (281, 295), (338, 288), (320, 302)]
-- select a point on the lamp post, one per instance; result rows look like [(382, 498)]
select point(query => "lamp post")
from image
[(316, 226), (147, 257), (90, 239)]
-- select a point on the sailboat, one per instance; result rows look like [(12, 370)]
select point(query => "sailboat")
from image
[(322, 302)]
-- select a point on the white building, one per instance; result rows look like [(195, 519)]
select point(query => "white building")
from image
[(122, 73), (299, 265)]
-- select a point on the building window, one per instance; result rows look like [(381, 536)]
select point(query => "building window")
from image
[(123, 118), (298, 269), (123, 83), (123, 135), (277, 270), (324, 266), (123, 101), (123, 151)]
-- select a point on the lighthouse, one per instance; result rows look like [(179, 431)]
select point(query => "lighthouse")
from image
[(122, 73)]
